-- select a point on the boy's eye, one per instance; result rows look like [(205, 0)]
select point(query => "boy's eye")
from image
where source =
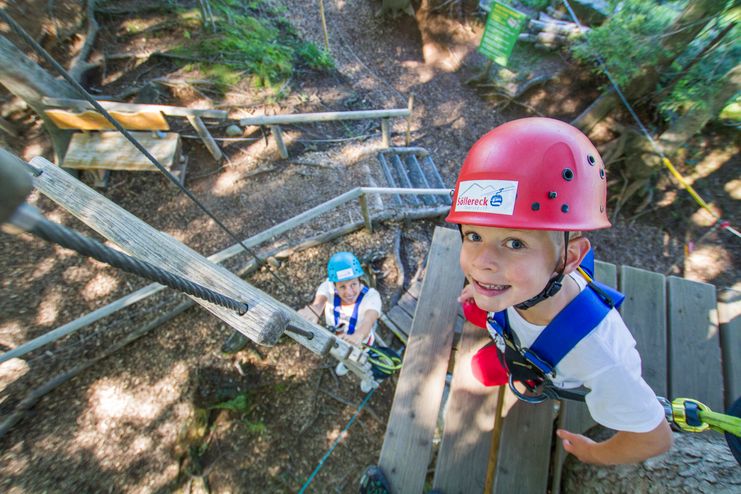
[(515, 244), (472, 236)]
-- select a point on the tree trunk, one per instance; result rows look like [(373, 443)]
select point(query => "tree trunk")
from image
[(697, 463), (698, 116), (26, 79), (682, 31)]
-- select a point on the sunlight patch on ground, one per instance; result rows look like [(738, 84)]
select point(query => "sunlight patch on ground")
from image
[(9, 332), (706, 262), (711, 163), (12, 369), (703, 218), (226, 183), (32, 150), (49, 309), (101, 285), (42, 268), (733, 188)]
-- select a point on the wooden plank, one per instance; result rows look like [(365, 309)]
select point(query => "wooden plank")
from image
[(525, 449), (278, 135), (414, 288), (408, 303), (206, 137), (324, 117), (644, 312), (402, 320), (694, 343), (91, 120), (173, 111), (112, 151), (574, 416), (469, 421), (407, 445), (266, 318), (729, 318)]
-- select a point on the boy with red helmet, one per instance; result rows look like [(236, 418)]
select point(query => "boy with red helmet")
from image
[(524, 194)]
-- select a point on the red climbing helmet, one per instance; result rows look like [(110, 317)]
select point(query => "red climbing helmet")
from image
[(533, 173)]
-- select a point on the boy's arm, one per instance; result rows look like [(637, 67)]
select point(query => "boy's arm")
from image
[(363, 328), (312, 311), (624, 447)]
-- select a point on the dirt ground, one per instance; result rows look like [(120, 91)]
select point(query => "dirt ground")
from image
[(154, 416)]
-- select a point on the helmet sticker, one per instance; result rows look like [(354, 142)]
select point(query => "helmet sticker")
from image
[(487, 196), (344, 274)]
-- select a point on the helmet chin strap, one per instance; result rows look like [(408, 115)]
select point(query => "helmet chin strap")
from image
[(554, 284)]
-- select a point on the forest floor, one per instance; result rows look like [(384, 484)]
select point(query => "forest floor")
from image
[(152, 417)]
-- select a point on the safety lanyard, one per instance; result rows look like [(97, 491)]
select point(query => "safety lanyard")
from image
[(354, 317)]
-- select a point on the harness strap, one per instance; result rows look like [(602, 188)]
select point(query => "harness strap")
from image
[(337, 302)]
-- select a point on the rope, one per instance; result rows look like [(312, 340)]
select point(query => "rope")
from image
[(336, 441), (683, 182), (70, 239)]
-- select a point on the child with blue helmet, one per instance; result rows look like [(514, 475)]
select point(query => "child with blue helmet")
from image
[(350, 308)]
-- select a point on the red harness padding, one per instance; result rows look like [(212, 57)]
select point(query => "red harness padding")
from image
[(486, 366)]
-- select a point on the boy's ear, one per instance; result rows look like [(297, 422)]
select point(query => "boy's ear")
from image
[(578, 248)]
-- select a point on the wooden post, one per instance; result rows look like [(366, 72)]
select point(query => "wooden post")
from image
[(364, 209), (385, 134), (324, 26), (278, 134), (206, 137), (266, 319), (408, 138)]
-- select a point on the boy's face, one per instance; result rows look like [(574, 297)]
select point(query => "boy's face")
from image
[(506, 267), (348, 290)]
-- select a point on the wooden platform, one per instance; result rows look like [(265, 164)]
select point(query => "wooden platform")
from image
[(685, 332), (112, 151)]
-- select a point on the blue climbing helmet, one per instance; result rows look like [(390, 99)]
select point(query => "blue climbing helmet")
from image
[(343, 266)]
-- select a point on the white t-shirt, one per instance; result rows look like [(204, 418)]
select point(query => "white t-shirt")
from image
[(371, 301), (607, 362)]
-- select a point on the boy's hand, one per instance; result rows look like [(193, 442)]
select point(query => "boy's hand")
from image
[(354, 339), (578, 445), (308, 314), (466, 294)]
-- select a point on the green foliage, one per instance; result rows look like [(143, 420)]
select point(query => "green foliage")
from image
[(628, 40), (697, 85), (252, 38), (536, 4), (238, 404)]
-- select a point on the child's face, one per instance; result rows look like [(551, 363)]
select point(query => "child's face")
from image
[(506, 267), (348, 290)]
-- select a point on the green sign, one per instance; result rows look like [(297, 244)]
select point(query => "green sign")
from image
[(500, 35)]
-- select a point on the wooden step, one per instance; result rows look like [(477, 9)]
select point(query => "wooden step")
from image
[(112, 151)]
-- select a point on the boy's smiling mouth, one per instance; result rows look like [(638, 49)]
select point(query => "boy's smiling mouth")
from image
[(489, 289)]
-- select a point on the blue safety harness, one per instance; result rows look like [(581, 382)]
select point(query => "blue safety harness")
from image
[(337, 302), (536, 366)]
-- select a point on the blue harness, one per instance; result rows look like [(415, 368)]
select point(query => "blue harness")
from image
[(535, 366), (337, 302)]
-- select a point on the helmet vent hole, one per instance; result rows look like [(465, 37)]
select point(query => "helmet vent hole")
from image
[(535, 206), (602, 173), (565, 208), (567, 174), (591, 159), (552, 194)]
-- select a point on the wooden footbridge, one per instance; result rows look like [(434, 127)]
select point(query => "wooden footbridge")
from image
[(490, 442)]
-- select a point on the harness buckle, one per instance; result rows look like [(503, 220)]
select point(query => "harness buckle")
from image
[(534, 399)]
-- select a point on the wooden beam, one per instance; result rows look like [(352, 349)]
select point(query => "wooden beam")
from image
[(729, 317), (469, 421), (205, 136), (323, 117), (92, 120), (407, 445), (385, 133), (266, 319), (694, 342), (173, 111), (278, 134)]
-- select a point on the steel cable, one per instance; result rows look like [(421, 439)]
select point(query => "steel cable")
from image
[(70, 239)]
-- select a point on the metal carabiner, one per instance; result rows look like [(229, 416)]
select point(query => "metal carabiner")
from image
[(534, 399)]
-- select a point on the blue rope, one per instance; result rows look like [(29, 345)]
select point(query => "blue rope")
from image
[(337, 441)]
